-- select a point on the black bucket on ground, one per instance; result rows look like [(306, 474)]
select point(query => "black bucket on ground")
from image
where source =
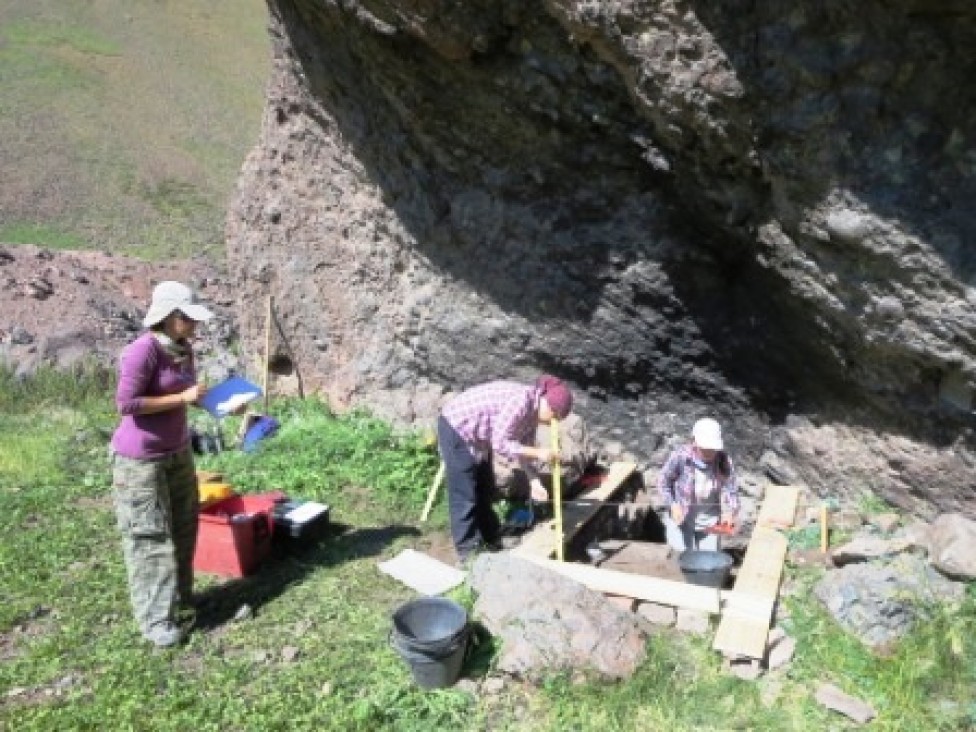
[(431, 635), (706, 568)]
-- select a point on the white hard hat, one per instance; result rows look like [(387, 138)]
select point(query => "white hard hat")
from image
[(708, 434)]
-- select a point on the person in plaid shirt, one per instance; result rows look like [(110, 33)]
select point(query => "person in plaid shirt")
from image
[(698, 485), (499, 416)]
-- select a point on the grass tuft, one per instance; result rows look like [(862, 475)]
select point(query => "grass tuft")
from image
[(42, 235)]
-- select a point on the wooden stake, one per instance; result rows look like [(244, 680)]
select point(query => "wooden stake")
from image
[(267, 357), (432, 493), (823, 528), (557, 490)]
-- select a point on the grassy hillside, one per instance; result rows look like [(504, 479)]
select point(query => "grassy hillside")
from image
[(123, 124)]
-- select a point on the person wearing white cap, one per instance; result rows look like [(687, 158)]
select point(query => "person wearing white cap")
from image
[(698, 485), (153, 473)]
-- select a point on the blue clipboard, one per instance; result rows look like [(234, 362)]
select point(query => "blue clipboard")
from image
[(229, 396)]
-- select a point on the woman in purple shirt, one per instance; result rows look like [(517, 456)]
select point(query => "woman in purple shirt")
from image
[(698, 485), (153, 475), (498, 416)]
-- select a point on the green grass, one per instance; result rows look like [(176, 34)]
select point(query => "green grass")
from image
[(926, 682), (314, 452), (870, 504), (72, 659), (44, 235), (123, 125), (46, 34)]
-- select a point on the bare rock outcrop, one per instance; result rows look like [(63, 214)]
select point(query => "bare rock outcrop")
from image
[(75, 309), (759, 211), (880, 602)]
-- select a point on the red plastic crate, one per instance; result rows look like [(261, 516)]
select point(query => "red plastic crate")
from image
[(234, 534)]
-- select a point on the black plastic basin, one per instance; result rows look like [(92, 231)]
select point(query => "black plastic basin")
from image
[(709, 569)]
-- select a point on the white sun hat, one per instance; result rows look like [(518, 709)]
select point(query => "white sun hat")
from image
[(708, 434), (169, 296)]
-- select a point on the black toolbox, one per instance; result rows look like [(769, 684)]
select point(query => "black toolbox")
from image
[(298, 522)]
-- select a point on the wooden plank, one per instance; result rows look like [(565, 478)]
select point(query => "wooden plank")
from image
[(639, 587), (742, 605), (543, 539), (617, 473), (432, 493), (740, 636), (778, 510), (748, 609)]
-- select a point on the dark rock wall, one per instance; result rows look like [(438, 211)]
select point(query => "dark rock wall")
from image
[(756, 210)]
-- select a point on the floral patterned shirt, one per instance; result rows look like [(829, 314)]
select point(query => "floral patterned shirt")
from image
[(676, 481)]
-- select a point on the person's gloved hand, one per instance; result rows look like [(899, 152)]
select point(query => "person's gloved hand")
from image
[(677, 513), (732, 521), (522, 518)]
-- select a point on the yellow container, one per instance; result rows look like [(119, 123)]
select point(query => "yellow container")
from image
[(214, 491), (209, 476)]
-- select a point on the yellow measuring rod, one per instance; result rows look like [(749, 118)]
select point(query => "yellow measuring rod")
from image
[(557, 489)]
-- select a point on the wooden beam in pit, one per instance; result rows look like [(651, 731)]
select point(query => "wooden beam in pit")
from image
[(542, 540)]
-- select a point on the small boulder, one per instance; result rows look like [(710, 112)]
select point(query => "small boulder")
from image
[(848, 226), (865, 548), (747, 669), (885, 522), (780, 648), (549, 623), (657, 614), (691, 621), (952, 546), (777, 469), (20, 337), (835, 699), (917, 536)]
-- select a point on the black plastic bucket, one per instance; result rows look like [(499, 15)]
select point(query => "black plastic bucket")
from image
[(431, 635), (709, 569)]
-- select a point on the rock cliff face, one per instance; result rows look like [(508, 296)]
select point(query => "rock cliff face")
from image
[(761, 211)]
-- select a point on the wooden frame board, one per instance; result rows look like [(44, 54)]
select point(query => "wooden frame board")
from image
[(542, 541), (778, 508), (637, 586), (748, 609)]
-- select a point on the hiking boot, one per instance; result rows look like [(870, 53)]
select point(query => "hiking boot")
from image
[(164, 635)]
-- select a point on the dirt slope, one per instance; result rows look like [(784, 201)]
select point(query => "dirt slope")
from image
[(64, 307)]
